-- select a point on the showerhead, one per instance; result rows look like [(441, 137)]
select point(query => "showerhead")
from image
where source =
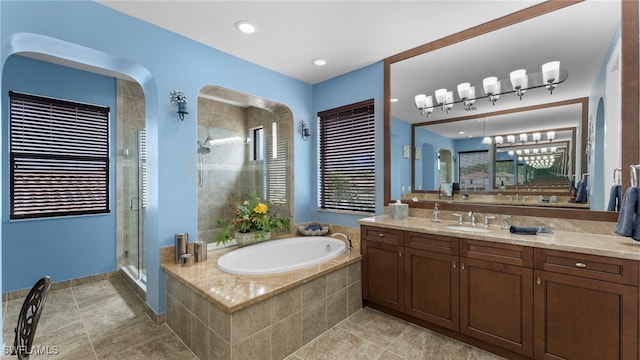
[(203, 149), (202, 146)]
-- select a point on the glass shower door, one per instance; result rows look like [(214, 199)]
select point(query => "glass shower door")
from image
[(135, 177)]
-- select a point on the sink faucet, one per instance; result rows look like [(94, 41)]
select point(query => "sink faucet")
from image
[(472, 216), (346, 238), (460, 222)]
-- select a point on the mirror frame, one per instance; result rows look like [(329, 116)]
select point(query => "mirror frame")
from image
[(584, 120), (629, 106)]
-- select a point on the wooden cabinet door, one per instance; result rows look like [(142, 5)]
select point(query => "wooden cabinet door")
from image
[(496, 304), (431, 287), (581, 318), (383, 274)]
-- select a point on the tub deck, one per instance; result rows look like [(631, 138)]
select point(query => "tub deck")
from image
[(232, 292)]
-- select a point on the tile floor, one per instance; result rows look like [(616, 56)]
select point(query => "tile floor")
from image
[(106, 320)]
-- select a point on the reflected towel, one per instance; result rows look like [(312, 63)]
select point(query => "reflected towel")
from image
[(581, 195), (528, 230), (572, 184), (627, 219), (614, 198)]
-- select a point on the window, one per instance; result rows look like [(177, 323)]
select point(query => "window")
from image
[(474, 170), (347, 158), (257, 145), (59, 157)]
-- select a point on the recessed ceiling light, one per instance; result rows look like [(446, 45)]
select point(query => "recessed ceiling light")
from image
[(461, 132), (245, 26), (319, 62), (394, 100)]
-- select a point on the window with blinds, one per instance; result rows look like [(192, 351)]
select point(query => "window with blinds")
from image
[(59, 157), (474, 170), (347, 158)]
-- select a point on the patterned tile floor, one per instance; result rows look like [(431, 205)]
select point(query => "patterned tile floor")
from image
[(106, 320)]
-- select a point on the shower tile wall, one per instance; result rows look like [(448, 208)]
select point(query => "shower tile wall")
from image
[(130, 117), (228, 172)]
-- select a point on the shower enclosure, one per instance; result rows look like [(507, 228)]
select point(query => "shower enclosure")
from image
[(135, 194)]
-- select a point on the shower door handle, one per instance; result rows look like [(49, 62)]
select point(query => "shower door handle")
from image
[(134, 204)]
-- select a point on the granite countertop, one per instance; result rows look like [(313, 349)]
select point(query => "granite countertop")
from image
[(232, 292), (594, 244)]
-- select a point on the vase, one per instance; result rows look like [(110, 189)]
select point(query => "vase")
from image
[(244, 239)]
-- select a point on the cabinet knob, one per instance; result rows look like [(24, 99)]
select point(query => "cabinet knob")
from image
[(400, 253), (462, 266), (381, 235), (581, 265), (455, 265), (538, 280)]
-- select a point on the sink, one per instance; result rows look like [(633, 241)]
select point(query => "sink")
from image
[(468, 228)]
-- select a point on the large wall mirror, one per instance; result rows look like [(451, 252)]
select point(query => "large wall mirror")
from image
[(597, 90)]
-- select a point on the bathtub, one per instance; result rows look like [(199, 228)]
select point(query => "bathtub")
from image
[(282, 255)]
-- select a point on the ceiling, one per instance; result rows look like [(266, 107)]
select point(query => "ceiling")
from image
[(353, 34), (290, 34)]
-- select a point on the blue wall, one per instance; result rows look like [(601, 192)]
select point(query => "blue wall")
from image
[(68, 247), (359, 85), (61, 30)]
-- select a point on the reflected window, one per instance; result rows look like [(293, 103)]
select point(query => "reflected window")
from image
[(474, 170), (257, 137)]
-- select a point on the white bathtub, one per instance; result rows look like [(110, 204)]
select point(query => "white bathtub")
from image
[(282, 255)]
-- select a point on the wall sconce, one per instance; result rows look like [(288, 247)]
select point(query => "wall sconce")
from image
[(178, 98), (491, 87), (424, 103), (551, 72), (304, 130)]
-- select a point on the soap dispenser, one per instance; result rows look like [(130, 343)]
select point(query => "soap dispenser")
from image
[(435, 215)]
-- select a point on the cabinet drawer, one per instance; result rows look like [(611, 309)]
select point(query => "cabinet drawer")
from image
[(497, 252), (435, 243), (382, 235), (617, 270)]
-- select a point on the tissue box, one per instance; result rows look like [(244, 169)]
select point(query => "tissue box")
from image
[(398, 211)]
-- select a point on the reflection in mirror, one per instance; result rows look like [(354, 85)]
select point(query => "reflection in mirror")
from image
[(538, 40)]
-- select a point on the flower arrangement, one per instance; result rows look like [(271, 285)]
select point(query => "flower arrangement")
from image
[(252, 216)]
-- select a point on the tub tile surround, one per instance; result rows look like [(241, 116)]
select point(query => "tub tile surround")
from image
[(228, 316), (587, 237)]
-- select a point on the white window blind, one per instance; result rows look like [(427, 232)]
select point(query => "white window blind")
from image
[(347, 158), (59, 157)]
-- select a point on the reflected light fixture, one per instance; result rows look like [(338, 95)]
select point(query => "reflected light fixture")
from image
[(519, 81), (550, 74), (491, 87), (523, 138), (424, 103), (499, 140), (536, 137), (304, 130), (551, 135), (511, 139), (180, 100)]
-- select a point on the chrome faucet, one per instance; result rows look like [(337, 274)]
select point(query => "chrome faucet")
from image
[(460, 222), (472, 216), (346, 238)]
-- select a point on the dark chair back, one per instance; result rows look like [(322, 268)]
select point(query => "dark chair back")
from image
[(29, 317)]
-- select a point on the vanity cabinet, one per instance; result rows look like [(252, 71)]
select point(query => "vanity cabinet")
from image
[(383, 266), (586, 306), (496, 294), (534, 302), (432, 279)]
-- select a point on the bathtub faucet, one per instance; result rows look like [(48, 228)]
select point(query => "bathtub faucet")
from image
[(346, 238)]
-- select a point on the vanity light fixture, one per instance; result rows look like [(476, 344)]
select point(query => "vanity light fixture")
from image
[(304, 130), (520, 82), (499, 140), (523, 138), (180, 100), (511, 139)]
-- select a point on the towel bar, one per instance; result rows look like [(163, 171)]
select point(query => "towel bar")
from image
[(634, 174), (617, 180)]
